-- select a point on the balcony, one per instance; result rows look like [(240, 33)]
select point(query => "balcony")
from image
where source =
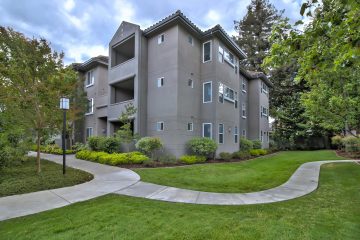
[(115, 109), (123, 52)]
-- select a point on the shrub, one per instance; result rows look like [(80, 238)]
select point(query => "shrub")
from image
[(113, 158), (191, 159), (351, 143), (167, 158), (79, 147), (225, 155), (256, 144), (202, 146), (245, 144), (148, 145), (241, 155), (336, 141), (262, 151), (95, 142), (255, 152), (109, 144)]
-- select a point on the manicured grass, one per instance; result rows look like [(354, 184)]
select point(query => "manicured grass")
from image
[(331, 212), (21, 177), (248, 176)]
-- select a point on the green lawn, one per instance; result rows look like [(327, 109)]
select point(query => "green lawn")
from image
[(254, 175), (21, 177), (331, 212)]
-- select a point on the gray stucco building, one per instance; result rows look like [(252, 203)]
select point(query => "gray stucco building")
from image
[(184, 83)]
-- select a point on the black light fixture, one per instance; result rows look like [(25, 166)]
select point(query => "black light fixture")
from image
[(64, 105)]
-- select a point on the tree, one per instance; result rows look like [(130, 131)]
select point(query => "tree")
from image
[(125, 133), (254, 32), (32, 79)]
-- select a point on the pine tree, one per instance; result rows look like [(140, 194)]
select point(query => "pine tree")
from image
[(254, 32)]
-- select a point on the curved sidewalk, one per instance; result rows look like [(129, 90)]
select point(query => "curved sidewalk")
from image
[(108, 179)]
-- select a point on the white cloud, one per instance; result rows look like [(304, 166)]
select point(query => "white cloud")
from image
[(82, 52), (212, 17), (69, 5), (124, 11)]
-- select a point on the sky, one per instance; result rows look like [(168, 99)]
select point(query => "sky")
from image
[(83, 28)]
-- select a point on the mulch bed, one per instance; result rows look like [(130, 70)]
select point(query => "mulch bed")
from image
[(348, 155)]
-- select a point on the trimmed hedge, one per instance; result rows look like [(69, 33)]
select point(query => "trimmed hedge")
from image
[(53, 149), (225, 155), (256, 144), (245, 144), (241, 155), (104, 144), (202, 146), (191, 159), (258, 152), (112, 158), (148, 145)]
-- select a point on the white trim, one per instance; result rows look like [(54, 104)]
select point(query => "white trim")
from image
[(192, 83), (92, 106), (236, 134), (243, 108), (221, 133), (203, 55), (89, 135), (192, 40), (160, 82), (191, 128), (92, 78), (161, 38), (203, 135), (160, 126), (210, 92)]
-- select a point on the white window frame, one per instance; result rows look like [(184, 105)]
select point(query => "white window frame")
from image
[(87, 131), (227, 58), (160, 82), (236, 101), (226, 89), (221, 92), (221, 54), (191, 125), (160, 126), (203, 128), (203, 52), (236, 134), (221, 133), (264, 88), (192, 83), (244, 86), (243, 110), (161, 38), (210, 92), (92, 78), (92, 106)]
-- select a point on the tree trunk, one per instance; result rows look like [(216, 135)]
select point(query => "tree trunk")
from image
[(38, 153)]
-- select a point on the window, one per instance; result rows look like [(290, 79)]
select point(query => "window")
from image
[(221, 54), (191, 83), (207, 130), (190, 40), (236, 134), (161, 39), (160, 82), (261, 136), (229, 58), (207, 51), (263, 111), (221, 133), (229, 94), (244, 133), (89, 132), (267, 134), (264, 88), (236, 99), (90, 79), (244, 85), (190, 126), (90, 106), (207, 92), (160, 126), (243, 110), (221, 92)]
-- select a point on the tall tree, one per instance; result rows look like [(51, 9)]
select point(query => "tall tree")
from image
[(32, 79), (254, 32)]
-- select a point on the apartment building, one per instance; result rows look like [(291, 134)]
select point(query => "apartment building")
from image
[(184, 82)]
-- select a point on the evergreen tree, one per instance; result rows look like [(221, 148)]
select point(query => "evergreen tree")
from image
[(254, 32)]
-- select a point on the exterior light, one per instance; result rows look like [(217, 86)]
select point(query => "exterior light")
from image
[(64, 103)]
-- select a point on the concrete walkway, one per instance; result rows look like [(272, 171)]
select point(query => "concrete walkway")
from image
[(108, 179)]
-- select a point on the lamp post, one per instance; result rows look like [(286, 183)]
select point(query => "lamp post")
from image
[(64, 105)]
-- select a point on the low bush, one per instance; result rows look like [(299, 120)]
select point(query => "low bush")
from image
[(256, 144), (79, 147), (112, 158), (148, 145), (337, 141), (109, 144), (53, 149), (245, 144), (258, 152), (225, 156), (351, 143), (95, 142), (241, 155), (262, 151), (167, 158), (191, 159), (202, 146)]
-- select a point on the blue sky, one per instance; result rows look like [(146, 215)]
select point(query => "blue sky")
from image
[(83, 28)]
